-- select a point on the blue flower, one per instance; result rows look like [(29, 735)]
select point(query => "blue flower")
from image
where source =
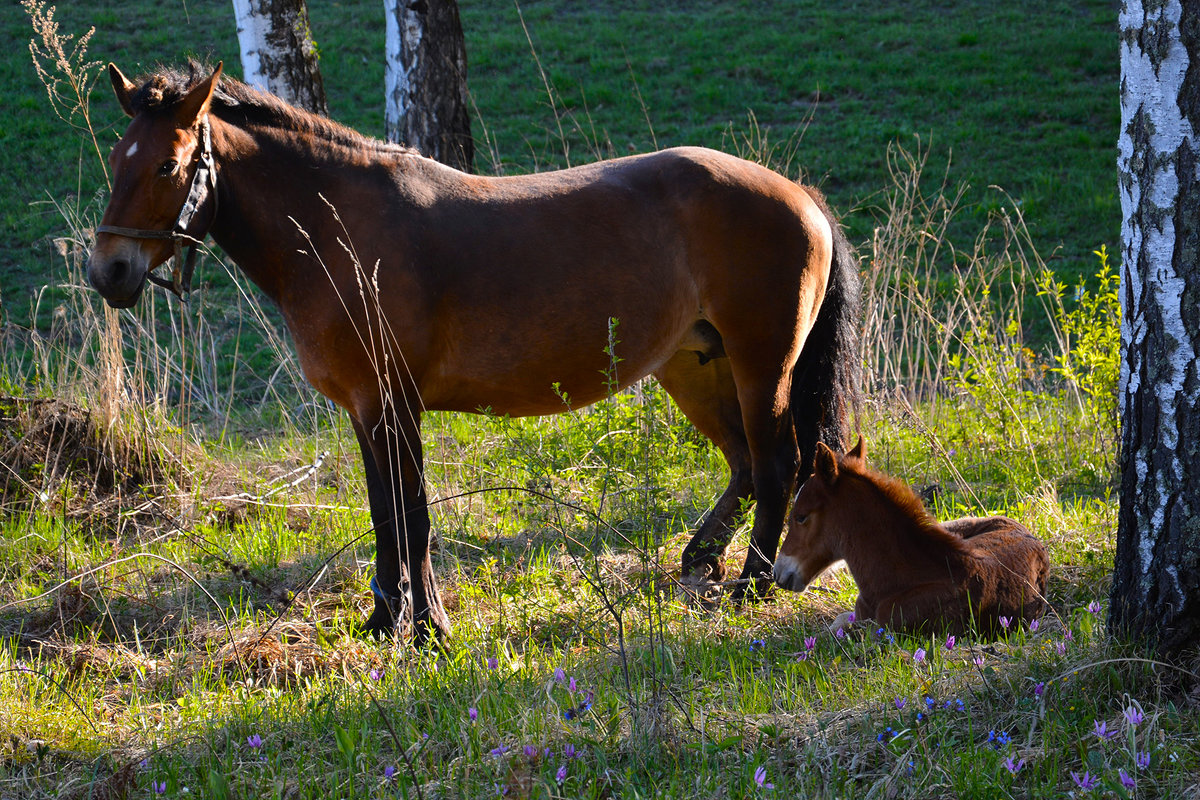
[(757, 644)]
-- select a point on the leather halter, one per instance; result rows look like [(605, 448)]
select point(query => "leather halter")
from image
[(204, 180)]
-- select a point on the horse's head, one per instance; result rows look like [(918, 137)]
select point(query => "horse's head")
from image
[(813, 540), (155, 169)]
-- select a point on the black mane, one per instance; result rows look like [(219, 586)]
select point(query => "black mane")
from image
[(243, 106)]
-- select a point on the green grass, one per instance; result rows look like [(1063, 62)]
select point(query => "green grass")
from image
[(1020, 98), (184, 555)]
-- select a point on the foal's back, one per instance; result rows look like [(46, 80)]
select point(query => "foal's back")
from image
[(1007, 568)]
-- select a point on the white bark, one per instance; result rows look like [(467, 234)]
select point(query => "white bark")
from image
[(278, 54), (1153, 91), (1159, 183), (400, 60)]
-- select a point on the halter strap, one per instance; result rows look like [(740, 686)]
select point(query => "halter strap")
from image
[(204, 180)]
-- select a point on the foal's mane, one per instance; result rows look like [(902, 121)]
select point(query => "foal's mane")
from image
[(243, 106), (900, 495)]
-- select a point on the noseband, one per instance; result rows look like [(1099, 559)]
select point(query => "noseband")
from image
[(204, 180)]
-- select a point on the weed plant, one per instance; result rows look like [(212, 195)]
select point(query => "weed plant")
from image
[(185, 628)]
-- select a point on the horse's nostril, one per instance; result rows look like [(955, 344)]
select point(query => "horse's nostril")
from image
[(118, 270)]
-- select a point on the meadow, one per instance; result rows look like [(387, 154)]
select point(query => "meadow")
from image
[(184, 543)]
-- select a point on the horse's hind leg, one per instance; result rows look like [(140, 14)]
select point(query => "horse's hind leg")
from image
[(705, 393), (764, 387)]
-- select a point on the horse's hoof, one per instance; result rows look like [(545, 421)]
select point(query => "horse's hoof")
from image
[(708, 568), (380, 625), (753, 590), (698, 591)]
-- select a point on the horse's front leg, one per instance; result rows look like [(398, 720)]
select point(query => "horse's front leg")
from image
[(404, 585)]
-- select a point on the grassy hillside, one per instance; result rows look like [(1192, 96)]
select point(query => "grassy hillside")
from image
[(1015, 97)]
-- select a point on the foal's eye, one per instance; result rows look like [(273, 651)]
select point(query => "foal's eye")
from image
[(801, 519), (168, 168)]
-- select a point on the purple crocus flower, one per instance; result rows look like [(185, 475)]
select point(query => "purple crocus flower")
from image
[(1143, 759), (1100, 728), (1060, 648), (840, 633), (499, 750), (851, 618), (760, 778), (1087, 781), (1034, 625), (950, 642), (1126, 781), (569, 751), (530, 751), (1012, 767), (472, 713), (254, 742), (559, 675), (977, 661), (1005, 622), (919, 656), (1039, 689), (571, 685), (561, 775), (900, 703), (389, 773), (159, 787), (492, 663), (810, 642), (1134, 716), (376, 674), (1094, 608)]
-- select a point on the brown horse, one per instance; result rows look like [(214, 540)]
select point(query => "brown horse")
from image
[(912, 573), (407, 286)]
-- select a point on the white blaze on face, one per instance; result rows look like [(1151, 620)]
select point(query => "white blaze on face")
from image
[(132, 149)]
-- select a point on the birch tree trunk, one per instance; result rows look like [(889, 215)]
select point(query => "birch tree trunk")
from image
[(426, 80), (278, 51), (1156, 582)]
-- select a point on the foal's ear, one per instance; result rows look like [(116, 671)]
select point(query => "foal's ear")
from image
[(123, 88), (195, 104), (827, 465), (859, 451)]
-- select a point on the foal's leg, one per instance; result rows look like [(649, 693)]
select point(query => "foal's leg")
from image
[(400, 515), (705, 393)]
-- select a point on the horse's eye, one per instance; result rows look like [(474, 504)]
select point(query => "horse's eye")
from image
[(168, 168), (801, 519)]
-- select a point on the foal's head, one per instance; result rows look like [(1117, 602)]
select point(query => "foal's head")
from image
[(152, 168), (824, 509)]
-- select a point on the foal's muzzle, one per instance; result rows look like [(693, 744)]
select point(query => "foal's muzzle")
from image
[(788, 575)]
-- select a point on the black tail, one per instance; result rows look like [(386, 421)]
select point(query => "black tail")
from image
[(825, 383)]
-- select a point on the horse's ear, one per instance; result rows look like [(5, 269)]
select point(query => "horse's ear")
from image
[(123, 88), (859, 451), (827, 467), (195, 104)]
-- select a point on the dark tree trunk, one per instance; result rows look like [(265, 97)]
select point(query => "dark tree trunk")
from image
[(426, 80), (1156, 582), (278, 51)]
